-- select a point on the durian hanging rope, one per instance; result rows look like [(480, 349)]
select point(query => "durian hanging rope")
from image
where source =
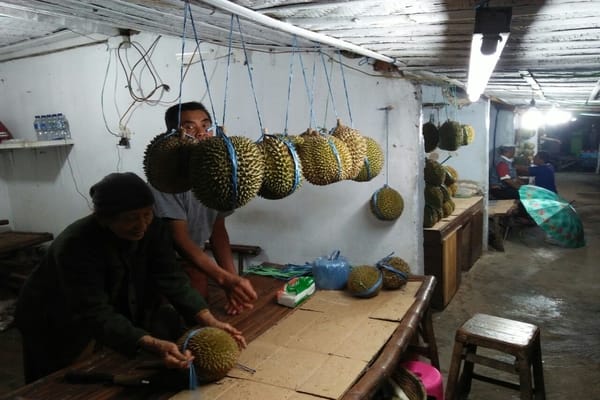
[(331, 96), (310, 94), (219, 132)]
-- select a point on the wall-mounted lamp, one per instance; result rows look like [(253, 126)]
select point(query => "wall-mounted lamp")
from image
[(492, 27)]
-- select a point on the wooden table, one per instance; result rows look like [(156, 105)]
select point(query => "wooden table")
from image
[(453, 245), (414, 333)]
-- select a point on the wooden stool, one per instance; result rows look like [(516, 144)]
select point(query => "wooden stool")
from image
[(518, 339)]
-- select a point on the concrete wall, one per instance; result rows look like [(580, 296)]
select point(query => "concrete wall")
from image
[(45, 190)]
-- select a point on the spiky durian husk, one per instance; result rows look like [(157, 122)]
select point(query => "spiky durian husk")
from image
[(393, 280), (453, 189), (434, 196), (364, 281), (325, 159), (373, 162), (451, 136), (283, 170), (167, 162), (211, 172), (357, 146), (387, 204), (434, 172), (448, 208), (451, 175), (446, 196), (431, 134), (468, 134), (215, 352), (430, 216)]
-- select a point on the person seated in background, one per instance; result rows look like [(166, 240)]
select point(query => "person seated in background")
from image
[(541, 170), (504, 182), (105, 280), (192, 224)]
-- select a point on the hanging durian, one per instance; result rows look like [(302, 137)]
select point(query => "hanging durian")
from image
[(387, 204), (167, 162), (372, 163), (325, 159), (451, 136), (431, 135), (226, 172), (357, 146), (215, 352), (283, 170), (468, 134)]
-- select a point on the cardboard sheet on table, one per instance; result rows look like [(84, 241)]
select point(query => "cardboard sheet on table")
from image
[(339, 302), (395, 303), (295, 369), (236, 389)]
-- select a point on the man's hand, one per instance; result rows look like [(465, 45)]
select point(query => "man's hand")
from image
[(172, 357), (240, 296)]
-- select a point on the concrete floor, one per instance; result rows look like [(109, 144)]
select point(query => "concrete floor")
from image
[(557, 289)]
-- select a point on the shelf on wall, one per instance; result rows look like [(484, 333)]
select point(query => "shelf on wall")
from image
[(35, 144)]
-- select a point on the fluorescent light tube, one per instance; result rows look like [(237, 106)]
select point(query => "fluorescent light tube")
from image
[(481, 65)]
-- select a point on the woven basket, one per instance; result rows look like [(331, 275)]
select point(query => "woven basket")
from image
[(405, 380)]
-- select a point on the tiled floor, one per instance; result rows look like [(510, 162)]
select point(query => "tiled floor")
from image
[(557, 289)]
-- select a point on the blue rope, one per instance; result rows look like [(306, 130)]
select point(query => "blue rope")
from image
[(374, 205), (250, 74), (337, 157), (346, 90), (202, 62), (193, 378), (234, 165), (181, 67), (291, 74), (296, 159), (328, 84), (308, 92), (228, 69)]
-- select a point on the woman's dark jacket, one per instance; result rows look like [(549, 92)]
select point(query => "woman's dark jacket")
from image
[(93, 285)]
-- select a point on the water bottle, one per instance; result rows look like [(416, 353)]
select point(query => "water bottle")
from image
[(43, 127), (63, 126), (67, 128), (53, 127), (36, 126)]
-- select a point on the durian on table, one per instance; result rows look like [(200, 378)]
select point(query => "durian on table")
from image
[(395, 272), (215, 352), (364, 281)]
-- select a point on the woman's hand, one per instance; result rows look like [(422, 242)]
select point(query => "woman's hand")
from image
[(240, 295), (169, 352), (206, 318)]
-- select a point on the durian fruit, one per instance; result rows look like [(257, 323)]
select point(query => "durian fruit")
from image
[(325, 159), (283, 170), (215, 352), (453, 189), (226, 172), (435, 174), (395, 272), (446, 196), (387, 204), (448, 208), (430, 216), (451, 136), (434, 196), (372, 163), (431, 134), (468, 134), (357, 146), (167, 162), (364, 281), (451, 175)]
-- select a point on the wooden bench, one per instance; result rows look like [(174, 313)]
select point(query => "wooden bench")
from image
[(242, 251), (499, 210)]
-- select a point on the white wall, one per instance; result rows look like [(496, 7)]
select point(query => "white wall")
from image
[(48, 189)]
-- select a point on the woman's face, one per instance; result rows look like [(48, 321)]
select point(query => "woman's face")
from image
[(131, 225)]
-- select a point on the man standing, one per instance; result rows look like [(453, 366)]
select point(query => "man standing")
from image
[(192, 224)]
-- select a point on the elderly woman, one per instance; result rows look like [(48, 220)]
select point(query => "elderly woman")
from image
[(102, 281)]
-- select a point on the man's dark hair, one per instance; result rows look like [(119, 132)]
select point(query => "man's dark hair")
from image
[(543, 155), (172, 113)]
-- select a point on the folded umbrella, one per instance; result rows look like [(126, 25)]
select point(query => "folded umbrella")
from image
[(555, 215)]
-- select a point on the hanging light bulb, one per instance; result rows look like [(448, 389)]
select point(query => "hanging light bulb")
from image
[(532, 118)]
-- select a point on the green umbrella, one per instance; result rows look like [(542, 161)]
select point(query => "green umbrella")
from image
[(555, 215)]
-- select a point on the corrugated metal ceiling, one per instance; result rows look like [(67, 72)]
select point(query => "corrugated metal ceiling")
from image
[(553, 52)]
